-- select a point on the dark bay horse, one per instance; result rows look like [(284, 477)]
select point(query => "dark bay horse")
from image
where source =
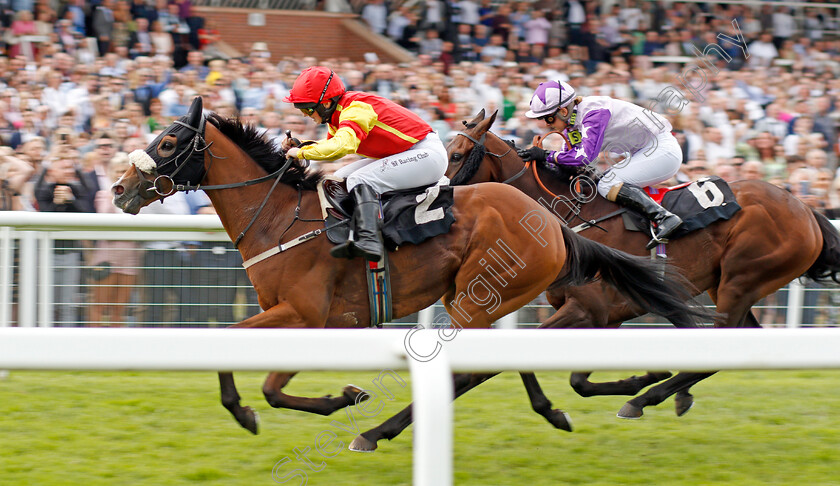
[(303, 287), (774, 239)]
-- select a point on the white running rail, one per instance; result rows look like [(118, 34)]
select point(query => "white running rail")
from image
[(472, 350)]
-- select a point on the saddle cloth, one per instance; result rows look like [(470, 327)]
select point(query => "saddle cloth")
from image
[(699, 204), (410, 216)]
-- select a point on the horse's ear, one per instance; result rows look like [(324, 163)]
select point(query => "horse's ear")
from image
[(485, 124), (477, 118), (196, 111)]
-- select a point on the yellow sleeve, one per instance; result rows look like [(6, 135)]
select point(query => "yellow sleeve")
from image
[(356, 117), (344, 142)]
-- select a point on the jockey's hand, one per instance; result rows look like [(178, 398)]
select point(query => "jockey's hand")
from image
[(292, 152), (288, 143), (534, 153)]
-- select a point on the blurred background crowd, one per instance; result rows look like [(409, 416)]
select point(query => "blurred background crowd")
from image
[(84, 83)]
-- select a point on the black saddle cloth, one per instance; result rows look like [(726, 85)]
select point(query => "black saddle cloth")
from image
[(699, 204), (410, 216)]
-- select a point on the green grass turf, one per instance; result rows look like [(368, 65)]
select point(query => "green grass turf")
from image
[(86, 428)]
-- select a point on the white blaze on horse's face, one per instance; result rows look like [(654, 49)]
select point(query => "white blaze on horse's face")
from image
[(142, 160)]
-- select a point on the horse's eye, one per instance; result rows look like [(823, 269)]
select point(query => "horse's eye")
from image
[(456, 157), (166, 147)]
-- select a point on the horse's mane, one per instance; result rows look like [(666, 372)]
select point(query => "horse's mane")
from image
[(470, 167), (264, 152)]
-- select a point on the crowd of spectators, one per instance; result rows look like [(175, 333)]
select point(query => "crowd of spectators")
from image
[(84, 83)]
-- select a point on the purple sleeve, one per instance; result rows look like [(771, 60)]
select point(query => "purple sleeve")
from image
[(592, 129)]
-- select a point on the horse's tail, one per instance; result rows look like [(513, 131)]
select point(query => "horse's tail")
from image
[(637, 278), (828, 263)]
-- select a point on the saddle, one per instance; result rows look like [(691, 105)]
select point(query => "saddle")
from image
[(408, 216)]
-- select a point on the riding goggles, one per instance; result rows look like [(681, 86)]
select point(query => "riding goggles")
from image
[(306, 108)]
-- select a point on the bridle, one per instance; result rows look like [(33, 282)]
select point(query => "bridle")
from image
[(164, 185), (527, 165)]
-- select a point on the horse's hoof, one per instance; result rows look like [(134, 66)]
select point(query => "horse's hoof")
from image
[(352, 392), (360, 444), (560, 420), (629, 411), (683, 404), (251, 420)]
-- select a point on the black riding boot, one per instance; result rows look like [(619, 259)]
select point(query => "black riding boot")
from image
[(365, 241), (635, 198)]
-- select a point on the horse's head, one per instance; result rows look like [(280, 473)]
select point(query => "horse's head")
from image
[(176, 156), (467, 150)]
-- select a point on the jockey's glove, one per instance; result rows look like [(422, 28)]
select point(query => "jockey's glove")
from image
[(534, 153)]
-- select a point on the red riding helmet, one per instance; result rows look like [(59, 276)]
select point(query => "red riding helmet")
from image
[(314, 85)]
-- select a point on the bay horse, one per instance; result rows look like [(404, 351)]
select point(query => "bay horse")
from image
[(248, 179), (774, 239)]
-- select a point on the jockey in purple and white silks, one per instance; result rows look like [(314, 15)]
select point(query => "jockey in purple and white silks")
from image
[(636, 142)]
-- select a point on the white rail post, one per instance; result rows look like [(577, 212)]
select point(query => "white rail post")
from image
[(510, 321), (431, 389), (425, 317), (28, 291), (796, 296), (6, 262), (46, 290)]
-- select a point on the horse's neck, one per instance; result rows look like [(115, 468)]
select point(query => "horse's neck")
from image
[(236, 207)]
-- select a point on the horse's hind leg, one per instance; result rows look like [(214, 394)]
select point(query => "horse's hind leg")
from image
[(628, 386), (272, 389), (366, 441), (656, 395), (542, 405), (684, 400)]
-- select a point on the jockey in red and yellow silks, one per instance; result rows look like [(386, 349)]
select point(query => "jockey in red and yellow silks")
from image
[(402, 150), (368, 125)]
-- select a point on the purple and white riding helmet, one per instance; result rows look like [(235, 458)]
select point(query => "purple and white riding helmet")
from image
[(549, 97)]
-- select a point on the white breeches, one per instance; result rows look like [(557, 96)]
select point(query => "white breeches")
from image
[(423, 164), (657, 161)]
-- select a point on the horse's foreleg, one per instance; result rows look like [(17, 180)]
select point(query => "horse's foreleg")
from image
[(282, 314), (628, 386), (586, 307), (366, 441), (542, 405), (246, 416), (272, 389)]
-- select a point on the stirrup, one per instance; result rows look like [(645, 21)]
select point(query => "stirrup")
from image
[(655, 240), (343, 250)]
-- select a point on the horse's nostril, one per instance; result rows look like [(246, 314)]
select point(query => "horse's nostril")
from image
[(118, 190)]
